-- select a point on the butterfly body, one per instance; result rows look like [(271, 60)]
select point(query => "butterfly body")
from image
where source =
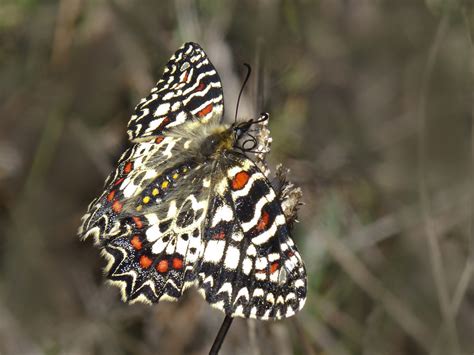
[(186, 206)]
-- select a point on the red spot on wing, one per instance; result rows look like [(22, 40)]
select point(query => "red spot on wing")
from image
[(200, 87), (117, 206), (119, 181), (138, 222), (219, 236), (185, 78), (240, 180), (136, 242), (163, 123), (162, 266), (289, 253), (274, 267), (111, 195), (159, 139), (177, 263), (205, 110), (263, 221), (128, 167), (145, 261)]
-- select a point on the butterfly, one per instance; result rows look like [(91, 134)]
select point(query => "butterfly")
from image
[(191, 203)]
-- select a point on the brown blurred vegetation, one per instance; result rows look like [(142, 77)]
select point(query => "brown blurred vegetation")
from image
[(371, 107)]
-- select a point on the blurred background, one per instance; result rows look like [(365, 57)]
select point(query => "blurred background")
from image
[(371, 107)]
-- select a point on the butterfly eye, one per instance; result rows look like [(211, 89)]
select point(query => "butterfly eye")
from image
[(239, 132)]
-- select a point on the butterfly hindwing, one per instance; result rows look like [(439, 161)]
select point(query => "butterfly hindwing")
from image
[(189, 88), (249, 265), (135, 169), (155, 241)]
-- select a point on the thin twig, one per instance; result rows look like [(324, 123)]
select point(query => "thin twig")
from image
[(470, 35), (221, 335), (321, 335), (260, 78), (45, 150), (450, 207), (252, 333), (462, 286), (93, 147), (337, 319), (150, 41), (188, 21), (424, 198), (459, 294), (468, 271), (68, 13)]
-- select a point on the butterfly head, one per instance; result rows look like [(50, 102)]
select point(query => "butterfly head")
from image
[(224, 137)]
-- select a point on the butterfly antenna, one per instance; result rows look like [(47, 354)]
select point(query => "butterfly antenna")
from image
[(249, 71), (221, 335)]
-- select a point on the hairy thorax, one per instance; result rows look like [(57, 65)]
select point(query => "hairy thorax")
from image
[(204, 140), (220, 140)]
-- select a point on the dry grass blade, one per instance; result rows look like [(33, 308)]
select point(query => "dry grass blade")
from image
[(322, 335), (468, 271), (96, 152), (430, 231), (252, 334), (68, 13), (406, 319), (338, 319), (449, 208), (470, 36), (462, 286)]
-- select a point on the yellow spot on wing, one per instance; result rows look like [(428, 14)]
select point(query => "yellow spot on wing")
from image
[(175, 176), (155, 192), (164, 184), (146, 199)]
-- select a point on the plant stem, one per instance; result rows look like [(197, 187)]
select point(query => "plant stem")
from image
[(221, 335)]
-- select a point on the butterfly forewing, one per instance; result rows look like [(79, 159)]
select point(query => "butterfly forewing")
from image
[(154, 257), (149, 221), (189, 88)]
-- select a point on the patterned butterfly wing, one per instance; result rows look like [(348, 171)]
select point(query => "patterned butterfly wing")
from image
[(184, 207), (190, 87), (249, 266), (158, 240), (148, 222), (142, 220)]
